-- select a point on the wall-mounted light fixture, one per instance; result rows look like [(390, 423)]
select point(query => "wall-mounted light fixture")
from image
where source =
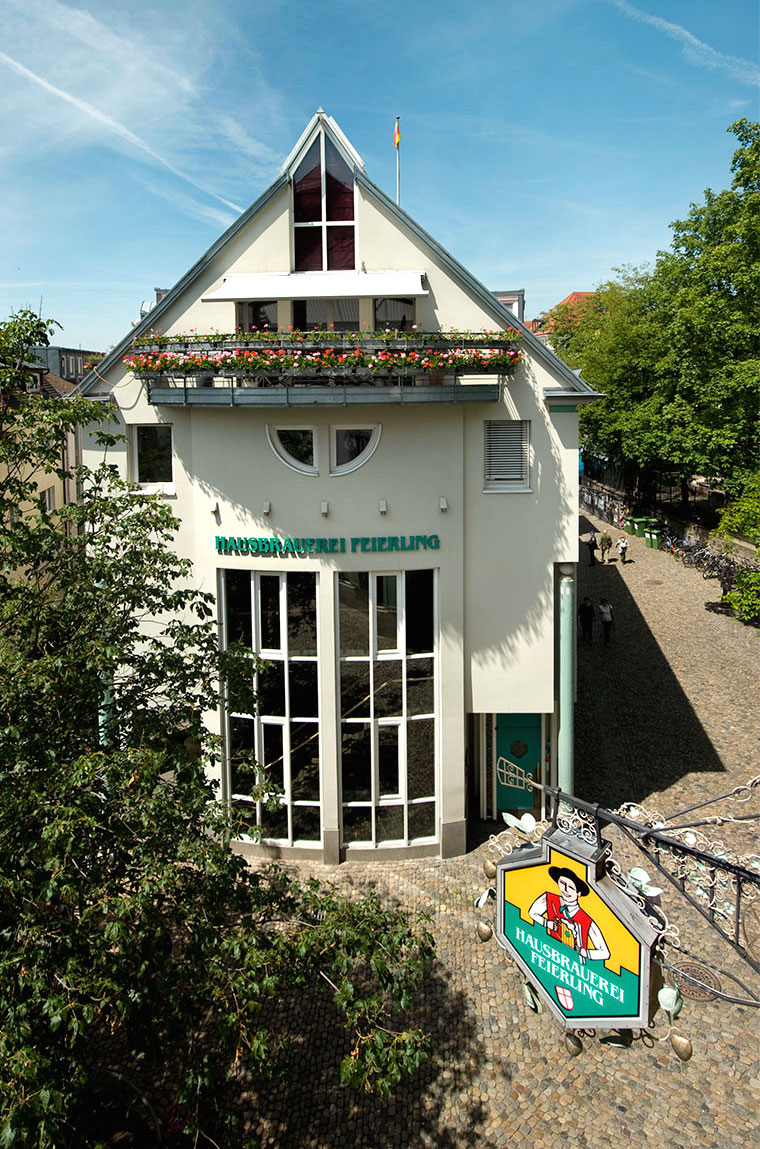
[(325, 510), (443, 504), (266, 508), (383, 507), (213, 506)]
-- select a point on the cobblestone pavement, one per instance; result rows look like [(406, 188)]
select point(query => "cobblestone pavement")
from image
[(667, 715)]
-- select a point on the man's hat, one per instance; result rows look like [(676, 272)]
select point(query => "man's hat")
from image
[(555, 873)]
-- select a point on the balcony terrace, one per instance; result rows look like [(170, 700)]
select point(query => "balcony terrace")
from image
[(288, 369)]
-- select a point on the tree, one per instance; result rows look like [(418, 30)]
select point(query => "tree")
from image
[(742, 518), (128, 926), (676, 349)]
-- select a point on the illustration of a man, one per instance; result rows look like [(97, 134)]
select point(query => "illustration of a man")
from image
[(564, 919)]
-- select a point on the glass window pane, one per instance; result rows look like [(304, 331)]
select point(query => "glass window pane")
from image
[(420, 758), (389, 821), (346, 314), (419, 612), (387, 692), (154, 454), (302, 615), (256, 316), (387, 760), (304, 761), (397, 314), (274, 823), (339, 184), (237, 587), (298, 443), (355, 762), (357, 824), (243, 773), (350, 444), (422, 820), (308, 248), (354, 689), (271, 737), (304, 696), (419, 686), (269, 599), (306, 823), (271, 689), (307, 187), (386, 612), (353, 591), (340, 249)]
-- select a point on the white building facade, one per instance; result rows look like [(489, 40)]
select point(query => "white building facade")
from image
[(376, 474)]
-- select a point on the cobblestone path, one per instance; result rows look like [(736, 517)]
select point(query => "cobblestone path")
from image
[(667, 715)]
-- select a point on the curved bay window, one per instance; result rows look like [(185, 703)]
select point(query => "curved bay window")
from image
[(323, 210), (388, 706), (276, 616)]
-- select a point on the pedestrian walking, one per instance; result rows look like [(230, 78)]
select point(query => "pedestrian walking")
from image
[(592, 549), (586, 616), (605, 546), (607, 616), (622, 546)]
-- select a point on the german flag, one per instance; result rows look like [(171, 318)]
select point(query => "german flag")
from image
[(396, 135)]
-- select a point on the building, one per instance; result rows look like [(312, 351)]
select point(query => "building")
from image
[(377, 475), (68, 363)]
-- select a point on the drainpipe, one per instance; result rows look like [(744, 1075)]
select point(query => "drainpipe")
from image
[(565, 734)]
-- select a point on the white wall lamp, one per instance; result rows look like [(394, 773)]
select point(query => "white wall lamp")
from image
[(266, 507), (383, 507), (443, 504), (325, 510)]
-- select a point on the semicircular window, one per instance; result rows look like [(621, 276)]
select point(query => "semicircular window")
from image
[(295, 447), (352, 447)]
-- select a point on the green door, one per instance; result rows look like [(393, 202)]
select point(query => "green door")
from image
[(518, 754)]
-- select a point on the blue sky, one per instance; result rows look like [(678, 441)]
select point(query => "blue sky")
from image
[(543, 143)]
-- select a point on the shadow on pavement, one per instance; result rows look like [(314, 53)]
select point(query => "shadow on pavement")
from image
[(635, 730)]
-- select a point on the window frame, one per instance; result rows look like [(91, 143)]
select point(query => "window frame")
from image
[(322, 223), (273, 438), (402, 722), (507, 483), (151, 488), (375, 430)]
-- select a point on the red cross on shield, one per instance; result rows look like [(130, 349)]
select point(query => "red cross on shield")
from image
[(564, 997)]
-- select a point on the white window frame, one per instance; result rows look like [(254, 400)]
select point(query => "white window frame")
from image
[(513, 478), (167, 488), (323, 222), (280, 655), (402, 721), (48, 499), (364, 457), (273, 438)]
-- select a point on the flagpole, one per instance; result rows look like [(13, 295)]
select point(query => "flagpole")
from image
[(398, 162)]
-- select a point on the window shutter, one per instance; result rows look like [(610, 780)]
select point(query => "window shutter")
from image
[(506, 451)]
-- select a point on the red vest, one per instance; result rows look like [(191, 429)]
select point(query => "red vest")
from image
[(554, 914)]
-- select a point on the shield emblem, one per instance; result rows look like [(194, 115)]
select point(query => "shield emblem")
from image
[(564, 997)]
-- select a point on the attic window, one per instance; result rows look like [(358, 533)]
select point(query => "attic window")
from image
[(323, 210)]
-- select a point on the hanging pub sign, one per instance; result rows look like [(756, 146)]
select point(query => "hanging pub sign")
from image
[(584, 946)]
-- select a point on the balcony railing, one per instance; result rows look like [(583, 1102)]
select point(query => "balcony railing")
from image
[(294, 368)]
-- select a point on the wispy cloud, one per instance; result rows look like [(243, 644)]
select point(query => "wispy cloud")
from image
[(133, 80), (110, 124), (206, 213), (694, 50)]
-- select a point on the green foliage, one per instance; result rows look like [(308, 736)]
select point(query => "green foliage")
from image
[(742, 518), (133, 941), (676, 349)]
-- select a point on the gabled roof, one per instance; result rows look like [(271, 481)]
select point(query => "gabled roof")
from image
[(573, 385)]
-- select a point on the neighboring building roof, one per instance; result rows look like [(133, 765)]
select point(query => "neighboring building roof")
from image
[(574, 300), (574, 386), (52, 385)]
